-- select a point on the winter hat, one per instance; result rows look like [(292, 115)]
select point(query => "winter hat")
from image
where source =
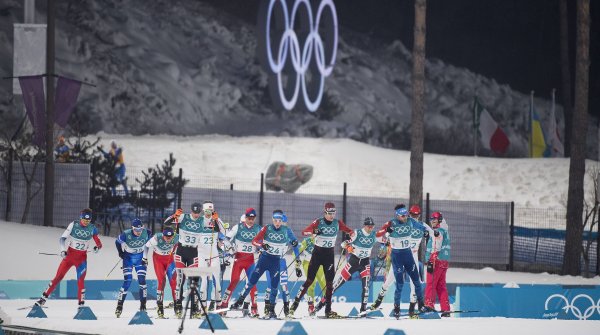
[(196, 207), (329, 207), (250, 212), (168, 231), (415, 210), (402, 211)]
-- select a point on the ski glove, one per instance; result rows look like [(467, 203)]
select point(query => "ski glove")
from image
[(63, 254), (389, 229), (96, 249), (178, 212), (426, 234), (436, 233), (121, 254), (317, 231), (429, 267), (266, 246), (145, 261)]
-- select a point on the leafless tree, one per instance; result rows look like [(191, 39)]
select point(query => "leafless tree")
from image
[(573, 243), (418, 108)]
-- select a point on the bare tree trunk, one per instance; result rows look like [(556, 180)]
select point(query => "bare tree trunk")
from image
[(418, 108), (573, 243), (565, 70)]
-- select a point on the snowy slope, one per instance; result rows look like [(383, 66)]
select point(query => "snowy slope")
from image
[(368, 170), (184, 67)]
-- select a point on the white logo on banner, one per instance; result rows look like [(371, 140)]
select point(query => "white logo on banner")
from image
[(276, 237), (328, 230), (291, 45), (570, 306), (247, 235)]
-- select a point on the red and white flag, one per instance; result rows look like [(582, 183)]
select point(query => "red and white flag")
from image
[(491, 135)]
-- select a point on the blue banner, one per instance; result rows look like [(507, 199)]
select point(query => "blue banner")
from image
[(531, 302)]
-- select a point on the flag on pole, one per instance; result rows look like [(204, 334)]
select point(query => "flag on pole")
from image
[(555, 143), (492, 136), (537, 139), (32, 88), (67, 91)]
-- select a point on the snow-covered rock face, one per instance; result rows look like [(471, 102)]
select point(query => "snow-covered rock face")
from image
[(184, 67)]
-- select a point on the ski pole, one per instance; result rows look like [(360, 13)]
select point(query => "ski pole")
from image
[(48, 254), (105, 278)]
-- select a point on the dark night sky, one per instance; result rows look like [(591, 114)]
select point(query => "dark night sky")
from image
[(516, 42)]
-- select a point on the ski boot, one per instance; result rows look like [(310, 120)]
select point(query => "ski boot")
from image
[(363, 309), (311, 309), (245, 308), (271, 314), (445, 314), (178, 309), (81, 304), (411, 311), (42, 300), (211, 306), (377, 302), (237, 305), (397, 311), (143, 306), (267, 307), (319, 306), (294, 307), (195, 313), (286, 309), (119, 309), (160, 311), (254, 311), (332, 315)]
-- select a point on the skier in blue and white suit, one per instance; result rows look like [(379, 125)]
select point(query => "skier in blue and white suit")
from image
[(400, 235), (283, 277), (273, 240), (130, 246)]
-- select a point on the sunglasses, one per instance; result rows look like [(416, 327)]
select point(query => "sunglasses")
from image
[(330, 213), (250, 217)]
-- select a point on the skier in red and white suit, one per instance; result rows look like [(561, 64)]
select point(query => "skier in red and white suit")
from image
[(74, 244)]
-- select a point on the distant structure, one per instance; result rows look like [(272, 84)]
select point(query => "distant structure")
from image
[(300, 45)]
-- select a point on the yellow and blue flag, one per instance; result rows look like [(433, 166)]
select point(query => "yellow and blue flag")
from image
[(538, 146)]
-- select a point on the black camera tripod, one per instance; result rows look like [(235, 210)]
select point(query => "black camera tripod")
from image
[(193, 292)]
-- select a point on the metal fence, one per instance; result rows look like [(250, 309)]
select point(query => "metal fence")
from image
[(482, 233), (71, 193)]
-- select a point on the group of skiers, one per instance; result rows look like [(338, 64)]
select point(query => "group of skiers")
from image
[(200, 239)]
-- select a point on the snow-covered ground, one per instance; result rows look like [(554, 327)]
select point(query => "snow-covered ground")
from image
[(376, 171), (60, 316), (29, 240)]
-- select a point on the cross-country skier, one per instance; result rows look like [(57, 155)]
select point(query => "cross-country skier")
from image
[(438, 255), (326, 228), (74, 243), (130, 246), (415, 242), (306, 250), (273, 240), (163, 245), (188, 227), (283, 278), (399, 232), (242, 235), (359, 247)]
